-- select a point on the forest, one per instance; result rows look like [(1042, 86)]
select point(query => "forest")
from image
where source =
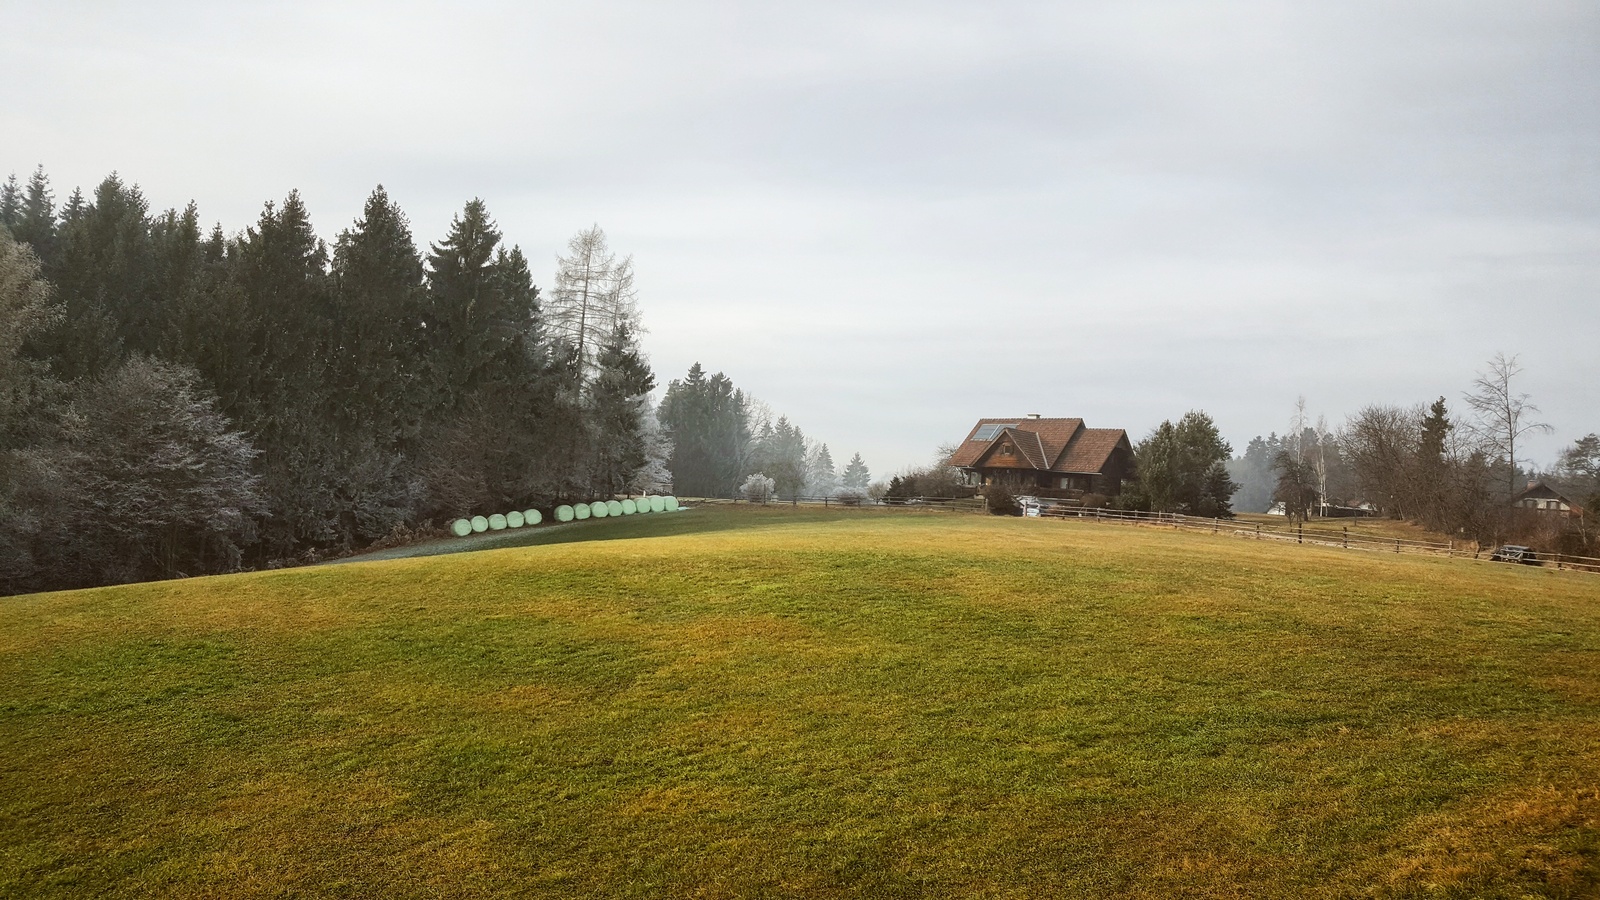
[(176, 400)]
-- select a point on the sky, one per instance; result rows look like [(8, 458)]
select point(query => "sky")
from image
[(887, 220)]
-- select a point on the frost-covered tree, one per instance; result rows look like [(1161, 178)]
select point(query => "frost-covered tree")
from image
[(162, 485), (654, 477)]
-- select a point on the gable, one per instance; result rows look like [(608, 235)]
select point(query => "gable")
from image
[(1052, 435), (1050, 445)]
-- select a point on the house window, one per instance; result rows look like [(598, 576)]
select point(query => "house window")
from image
[(1005, 449), (1551, 504)]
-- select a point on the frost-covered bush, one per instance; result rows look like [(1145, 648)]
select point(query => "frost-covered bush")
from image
[(758, 488)]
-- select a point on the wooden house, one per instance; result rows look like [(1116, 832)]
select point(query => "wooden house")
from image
[(1546, 499), (1047, 457)]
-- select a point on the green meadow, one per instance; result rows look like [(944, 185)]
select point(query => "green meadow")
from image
[(771, 702)]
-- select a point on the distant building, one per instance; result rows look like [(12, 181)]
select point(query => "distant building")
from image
[(1546, 499), (1046, 457)]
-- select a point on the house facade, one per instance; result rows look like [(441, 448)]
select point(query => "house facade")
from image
[(1047, 457), (1545, 499)]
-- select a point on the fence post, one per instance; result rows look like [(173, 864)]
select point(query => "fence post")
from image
[(1347, 537), (1396, 545), (1300, 533), (1451, 552), (1258, 531), (1214, 523)]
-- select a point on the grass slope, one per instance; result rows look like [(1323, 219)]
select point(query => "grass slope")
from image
[(803, 704)]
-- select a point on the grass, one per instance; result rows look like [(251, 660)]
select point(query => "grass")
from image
[(793, 703)]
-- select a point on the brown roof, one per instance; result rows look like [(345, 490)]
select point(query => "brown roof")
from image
[(1089, 450), (1053, 435), (1056, 445)]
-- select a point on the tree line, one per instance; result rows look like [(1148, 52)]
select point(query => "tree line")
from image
[(727, 444), (176, 401), (1453, 468)]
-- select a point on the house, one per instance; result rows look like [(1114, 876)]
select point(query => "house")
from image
[(1546, 499), (1047, 457)]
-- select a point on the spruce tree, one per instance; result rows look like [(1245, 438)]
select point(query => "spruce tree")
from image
[(36, 221), (616, 406), (10, 202), (856, 476), (281, 274), (822, 480)]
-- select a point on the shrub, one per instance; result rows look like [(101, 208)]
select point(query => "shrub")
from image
[(1001, 501), (758, 488)]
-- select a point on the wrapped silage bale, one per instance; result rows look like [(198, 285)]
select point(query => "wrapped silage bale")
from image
[(599, 509), (613, 507), (565, 513), (514, 519), (461, 528), (581, 511), (532, 516), (670, 504), (480, 524), (497, 522), (629, 507)]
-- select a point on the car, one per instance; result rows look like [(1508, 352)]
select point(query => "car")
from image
[(1515, 553)]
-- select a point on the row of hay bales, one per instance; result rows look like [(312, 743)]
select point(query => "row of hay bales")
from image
[(599, 509)]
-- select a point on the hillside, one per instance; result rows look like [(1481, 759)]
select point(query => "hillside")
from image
[(746, 702)]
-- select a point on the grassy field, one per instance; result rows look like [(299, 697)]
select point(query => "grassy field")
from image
[(792, 703)]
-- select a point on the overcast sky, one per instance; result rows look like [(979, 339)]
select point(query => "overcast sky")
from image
[(888, 220)]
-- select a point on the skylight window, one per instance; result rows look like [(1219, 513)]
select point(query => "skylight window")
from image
[(987, 432)]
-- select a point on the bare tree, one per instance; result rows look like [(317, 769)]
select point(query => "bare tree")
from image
[(593, 296), (1503, 414)]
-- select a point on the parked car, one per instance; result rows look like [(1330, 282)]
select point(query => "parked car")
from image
[(1514, 553)]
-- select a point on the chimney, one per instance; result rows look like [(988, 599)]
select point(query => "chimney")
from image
[(1033, 415)]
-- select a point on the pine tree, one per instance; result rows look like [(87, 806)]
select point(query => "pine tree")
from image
[(856, 476)]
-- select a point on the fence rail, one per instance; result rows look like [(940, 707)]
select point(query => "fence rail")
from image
[(1297, 533), (1301, 534)]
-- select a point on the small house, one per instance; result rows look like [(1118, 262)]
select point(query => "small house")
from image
[(1545, 499)]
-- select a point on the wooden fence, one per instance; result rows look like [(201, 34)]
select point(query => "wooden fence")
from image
[(1318, 534)]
